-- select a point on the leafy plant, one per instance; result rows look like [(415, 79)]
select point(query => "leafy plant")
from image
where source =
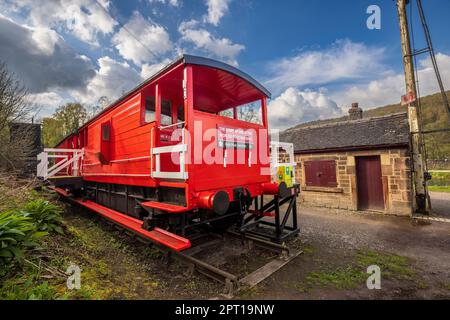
[(28, 289), (46, 215), (16, 231)]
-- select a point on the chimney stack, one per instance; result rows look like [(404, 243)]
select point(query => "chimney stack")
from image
[(355, 112)]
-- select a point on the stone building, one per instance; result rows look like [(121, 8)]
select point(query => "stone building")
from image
[(356, 164), (26, 141)]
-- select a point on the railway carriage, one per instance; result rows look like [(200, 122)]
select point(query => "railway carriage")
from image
[(186, 150)]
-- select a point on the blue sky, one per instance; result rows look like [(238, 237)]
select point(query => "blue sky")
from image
[(316, 57)]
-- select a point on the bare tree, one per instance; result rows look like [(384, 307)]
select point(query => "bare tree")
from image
[(13, 104), (14, 108)]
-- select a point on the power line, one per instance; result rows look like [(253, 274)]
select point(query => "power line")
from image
[(124, 27), (426, 31)]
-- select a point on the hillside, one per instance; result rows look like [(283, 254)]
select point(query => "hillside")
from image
[(434, 116)]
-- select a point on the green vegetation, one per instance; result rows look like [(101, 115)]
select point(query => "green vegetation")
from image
[(354, 274), (45, 215), (17, 233), (109, 268), (446, 285), (308, 249), (21, 229), (26, 289), (64, 121), (439, 188), (440, 179), (392, 265), (344, 278)]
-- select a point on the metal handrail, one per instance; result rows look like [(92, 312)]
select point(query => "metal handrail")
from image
[(171, 125)]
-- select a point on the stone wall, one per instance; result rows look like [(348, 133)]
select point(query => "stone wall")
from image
[(395, 179)]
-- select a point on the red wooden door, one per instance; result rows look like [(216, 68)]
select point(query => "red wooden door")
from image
[(370, 186)]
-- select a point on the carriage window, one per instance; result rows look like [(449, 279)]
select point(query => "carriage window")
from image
[(166, 114), (180, 113), (149, 109), (105, 145), (105, 132), (227, 113), (250, 112)]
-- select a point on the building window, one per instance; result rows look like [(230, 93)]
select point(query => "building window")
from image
[(321, 173)]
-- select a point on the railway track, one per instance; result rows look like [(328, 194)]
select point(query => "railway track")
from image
[(232, 283)]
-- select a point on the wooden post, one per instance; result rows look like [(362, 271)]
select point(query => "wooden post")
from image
[(418, 168)]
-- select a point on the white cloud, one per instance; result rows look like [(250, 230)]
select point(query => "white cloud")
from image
[(389, 90), (427, 78), (112, 79), (148, 70), (190, 24), (41, 58), (45, 39), (45, 98), (173, 3), (146, 43), (222, 48), (294, 106), (47, 102), (85, 19), (344, 60), (216, 10)]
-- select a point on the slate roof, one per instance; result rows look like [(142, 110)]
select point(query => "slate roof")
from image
[(384, 131)]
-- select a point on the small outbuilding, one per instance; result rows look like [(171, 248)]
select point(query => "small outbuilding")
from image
[(355, 164)]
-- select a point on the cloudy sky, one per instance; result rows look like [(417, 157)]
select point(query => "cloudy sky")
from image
[(316, 57)]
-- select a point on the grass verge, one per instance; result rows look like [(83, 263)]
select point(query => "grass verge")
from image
[(354, 274), (439, 188)]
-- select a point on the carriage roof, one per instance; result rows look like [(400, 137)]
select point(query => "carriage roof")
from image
[(182, 60)]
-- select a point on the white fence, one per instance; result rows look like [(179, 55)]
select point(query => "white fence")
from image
[(53, 161)]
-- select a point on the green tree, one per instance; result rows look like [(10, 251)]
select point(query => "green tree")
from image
[(66, 119), (71, 116), (52, 132)]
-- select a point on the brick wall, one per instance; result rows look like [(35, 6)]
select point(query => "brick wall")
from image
[(395, 178)]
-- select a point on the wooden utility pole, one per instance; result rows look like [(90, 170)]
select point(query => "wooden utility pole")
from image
[(410, 99)]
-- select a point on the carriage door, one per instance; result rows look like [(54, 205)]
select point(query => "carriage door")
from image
[(170, 148)]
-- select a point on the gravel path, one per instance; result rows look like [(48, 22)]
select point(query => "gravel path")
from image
[(428, 243), (335, 235), (440, 202)]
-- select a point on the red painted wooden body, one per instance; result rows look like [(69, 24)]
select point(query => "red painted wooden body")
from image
[(120, 153)]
